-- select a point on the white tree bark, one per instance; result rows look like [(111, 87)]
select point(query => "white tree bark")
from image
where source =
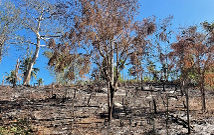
[(27, 76)]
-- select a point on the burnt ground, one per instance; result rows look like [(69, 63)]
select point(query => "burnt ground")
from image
[(43, 110)]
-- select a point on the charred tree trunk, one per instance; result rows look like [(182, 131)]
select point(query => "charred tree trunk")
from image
[(111, 88), (141, 82), (155, 106), (203, 98), (117, 68), (187, 102), (202, 93), (111, 107), (73, 111), (109, 103), (163, 84), (186, 90)]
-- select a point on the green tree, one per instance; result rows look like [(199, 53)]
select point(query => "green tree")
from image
[(40, 81), (10, 78), (152, 70), (24, 66)]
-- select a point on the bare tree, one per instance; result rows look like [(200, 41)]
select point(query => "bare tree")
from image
[(37, 19), (9, 24), (163, 45), (105, 31), (16, 72), (66, 65), (194, 54)]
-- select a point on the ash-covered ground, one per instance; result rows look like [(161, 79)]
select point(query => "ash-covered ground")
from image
[(67, 110)]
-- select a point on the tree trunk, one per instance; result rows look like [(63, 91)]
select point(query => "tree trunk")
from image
[(16, 73), (203, 99), (3, 81), (111, 107), (111, 89), (181, 87), (163, 84), (117, 70), (187, 102), (109, 103), (186, 90), (29, 69), (73, 111), (141, 81), (1, 52), (155, 106), (202, 93), (27, 77), (2, 42)]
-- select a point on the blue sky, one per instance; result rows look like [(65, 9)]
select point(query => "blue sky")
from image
[(184, 12)]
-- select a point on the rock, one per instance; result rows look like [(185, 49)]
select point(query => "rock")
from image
[(104, 107), (118, 105), (120, 92)]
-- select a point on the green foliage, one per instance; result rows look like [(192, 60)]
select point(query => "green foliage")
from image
[(48, 54), (21, 127), (120, 79), (208, 26), (82, 82), (10, 78), (40, 81), (121, 64), (151, 67), (58, 76), (24, 66), (146, 78), (165, 71), (132, 81)]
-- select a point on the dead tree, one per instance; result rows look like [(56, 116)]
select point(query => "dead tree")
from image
[(16, 73)]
